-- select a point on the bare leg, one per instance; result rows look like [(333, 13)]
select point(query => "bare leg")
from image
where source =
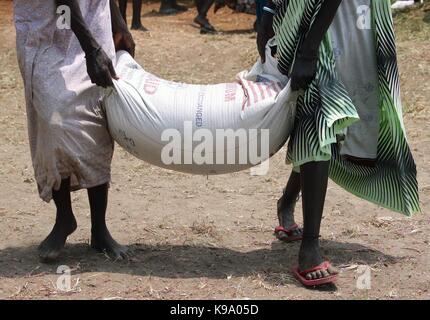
[(286, 206), (201, 19), (136, 23), (101, 239), (65, 224), (123, 9), (313, 180)]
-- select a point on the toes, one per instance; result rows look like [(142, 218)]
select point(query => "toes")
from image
[(121, 253), (297, 232), (115, 256), (319, 274), (325, 273), (125, 253), (282, 235), (49, 256)]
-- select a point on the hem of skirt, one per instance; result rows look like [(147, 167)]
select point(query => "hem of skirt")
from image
[(80, 186), (348, 120), (413, 211), (383, 205), (297, 164)]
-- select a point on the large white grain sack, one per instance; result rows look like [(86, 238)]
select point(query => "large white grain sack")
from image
[(200, 129)]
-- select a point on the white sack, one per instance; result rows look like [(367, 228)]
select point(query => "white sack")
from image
[(142, 107)]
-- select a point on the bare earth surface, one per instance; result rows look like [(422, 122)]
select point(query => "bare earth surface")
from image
[(199, 237)]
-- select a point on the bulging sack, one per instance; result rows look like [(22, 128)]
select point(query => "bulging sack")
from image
[(200, 129)]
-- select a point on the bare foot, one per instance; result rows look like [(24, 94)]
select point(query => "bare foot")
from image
[(50, 248), (310, 257), (102, 241), (286, 219), (139, 27), (204, 24), (168, 9)]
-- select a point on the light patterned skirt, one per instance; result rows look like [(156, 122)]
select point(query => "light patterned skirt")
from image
[(353, 105)]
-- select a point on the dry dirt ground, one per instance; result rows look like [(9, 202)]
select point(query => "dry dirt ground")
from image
[(200, 237)]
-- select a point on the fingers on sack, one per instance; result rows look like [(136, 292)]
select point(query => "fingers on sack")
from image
[(112, 71), (103, 78), (107, 79)]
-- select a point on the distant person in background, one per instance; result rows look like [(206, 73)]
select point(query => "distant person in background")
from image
[(167, 7), (171, 7), (136, 23), (402, 4), (254, 7), (201, 19)]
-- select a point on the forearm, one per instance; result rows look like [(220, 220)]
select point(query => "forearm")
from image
[(79, 27), (118, 23), (319, 28)]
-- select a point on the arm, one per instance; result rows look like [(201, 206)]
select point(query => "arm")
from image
[(79, 27), (121, 35), (305, 65), (99, 66), (265, 30), (320, 27)]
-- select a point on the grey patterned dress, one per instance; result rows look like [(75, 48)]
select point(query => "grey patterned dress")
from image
[(67, 130)]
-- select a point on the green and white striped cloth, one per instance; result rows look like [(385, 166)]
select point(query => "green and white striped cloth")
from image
[(325, 110)]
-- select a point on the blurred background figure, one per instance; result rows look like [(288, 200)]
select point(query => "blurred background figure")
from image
[(136, 22), (401, 4), (201, 19), (171, 7), (166, 7), (244, 6)]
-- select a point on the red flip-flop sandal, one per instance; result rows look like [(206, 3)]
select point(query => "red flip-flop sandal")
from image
[(291, 237), (301, 275)]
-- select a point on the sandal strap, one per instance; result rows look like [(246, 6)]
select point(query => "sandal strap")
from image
[(287, 231)]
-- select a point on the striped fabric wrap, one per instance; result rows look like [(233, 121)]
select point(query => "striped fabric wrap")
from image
[(324, 110)]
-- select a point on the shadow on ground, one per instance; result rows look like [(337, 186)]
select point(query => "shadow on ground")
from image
[(184, 261)]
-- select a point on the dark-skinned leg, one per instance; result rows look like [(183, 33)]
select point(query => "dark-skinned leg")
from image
[(286, 206), (201, 18), (179, 7), (136, 23), (123, 9), (65, 224), (313, 181), (101, 239)]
